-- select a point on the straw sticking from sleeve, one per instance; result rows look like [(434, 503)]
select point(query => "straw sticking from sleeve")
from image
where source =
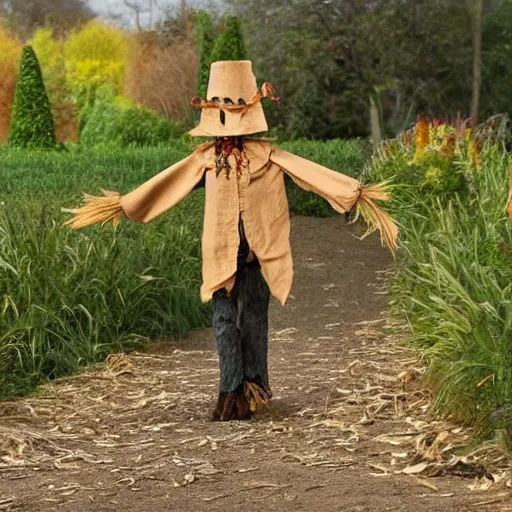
[(96, 210), (375, 217)]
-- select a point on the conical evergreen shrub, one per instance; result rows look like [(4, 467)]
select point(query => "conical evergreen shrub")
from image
[(230, 44), (205, 38), (31, 124)]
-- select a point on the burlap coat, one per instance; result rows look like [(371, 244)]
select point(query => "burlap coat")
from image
[(256, 193)]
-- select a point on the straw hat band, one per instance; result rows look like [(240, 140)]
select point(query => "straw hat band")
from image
[(266, 91)]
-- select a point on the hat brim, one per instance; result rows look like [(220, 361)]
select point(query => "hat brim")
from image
[(198, 131), (233, 123)]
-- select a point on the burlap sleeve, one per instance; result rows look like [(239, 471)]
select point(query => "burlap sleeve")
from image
[(167, 188), (342, 192)]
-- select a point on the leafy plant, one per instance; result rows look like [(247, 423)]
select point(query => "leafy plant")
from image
[(114, 120), (452, 287), (10, 50)]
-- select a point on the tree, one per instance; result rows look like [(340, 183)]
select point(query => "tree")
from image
[(178, 23), (50, 54), (95, 56), (205, 38), (230, 44), (408, 56), (24, 16), (32, 123), (162, 77), (10, 50)]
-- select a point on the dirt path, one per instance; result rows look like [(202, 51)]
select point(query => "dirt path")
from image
[(136, 435)]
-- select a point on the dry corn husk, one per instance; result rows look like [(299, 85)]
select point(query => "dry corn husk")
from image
[(255, 396), (96, 210), (375, 217)]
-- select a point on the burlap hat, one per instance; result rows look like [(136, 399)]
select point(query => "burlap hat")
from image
[(233, 104)]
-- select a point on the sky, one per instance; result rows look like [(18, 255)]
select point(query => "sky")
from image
[(116, 9), (108, 9)]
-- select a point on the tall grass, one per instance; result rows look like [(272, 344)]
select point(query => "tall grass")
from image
[(453, 286), (68, 298)]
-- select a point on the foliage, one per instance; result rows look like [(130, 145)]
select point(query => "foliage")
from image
[(117, 121), (10, 47), (497, 49), (50, 54), (10, 50), (452, 288), (162, 76), (178, 23), (230, 44), (31, 117), (95, 56), (327, 58), (70, 298), (25, 16), (205, 39), (430, 161)]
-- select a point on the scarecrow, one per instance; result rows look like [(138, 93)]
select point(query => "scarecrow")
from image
[(245, 244)]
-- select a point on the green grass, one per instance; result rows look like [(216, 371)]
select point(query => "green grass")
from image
[(69, 298)]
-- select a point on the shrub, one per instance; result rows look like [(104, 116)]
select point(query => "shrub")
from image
[(50, 54), (230, 44), (117, 121), (31, 117)]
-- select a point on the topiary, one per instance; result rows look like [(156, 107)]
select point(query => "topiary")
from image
[(31, 125), (230, 44), (205, 38)]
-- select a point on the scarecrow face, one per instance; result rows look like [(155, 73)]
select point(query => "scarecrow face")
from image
[(232, 84)]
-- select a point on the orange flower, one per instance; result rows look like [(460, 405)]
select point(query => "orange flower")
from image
[(474, 152), (422, 134)]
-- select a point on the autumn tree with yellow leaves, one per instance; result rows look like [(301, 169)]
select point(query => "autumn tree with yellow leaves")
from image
[(10, 50), (95, 56)]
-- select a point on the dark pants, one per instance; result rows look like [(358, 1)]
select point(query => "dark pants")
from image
[(240, 324)]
